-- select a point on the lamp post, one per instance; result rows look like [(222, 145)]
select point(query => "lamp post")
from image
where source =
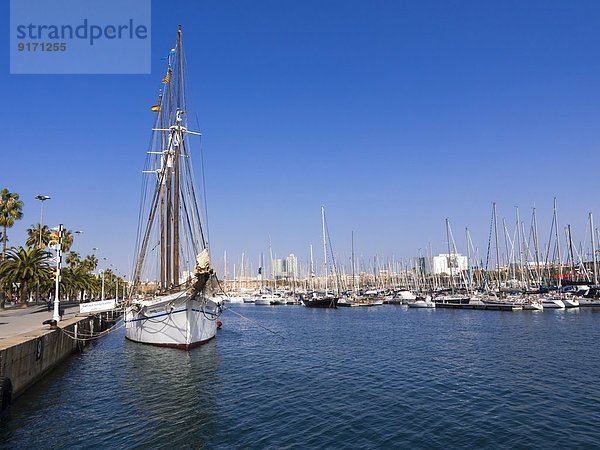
[(57, 279), (104, 270), (42, 199)]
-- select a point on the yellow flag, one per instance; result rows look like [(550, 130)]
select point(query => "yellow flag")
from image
[(155, 108), (167, 77)]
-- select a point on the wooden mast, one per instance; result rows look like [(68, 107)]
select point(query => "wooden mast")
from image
[(163, 143), (168, 220), (176, 188)]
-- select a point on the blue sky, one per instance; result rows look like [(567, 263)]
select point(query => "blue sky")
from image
[(392, 114)]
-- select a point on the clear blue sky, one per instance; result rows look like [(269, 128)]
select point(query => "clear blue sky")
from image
[(392, 114)]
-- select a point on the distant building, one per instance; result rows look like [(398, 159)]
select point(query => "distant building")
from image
[(449, 263), (421, 264), (278, 268), (291, 266), (285, 268)]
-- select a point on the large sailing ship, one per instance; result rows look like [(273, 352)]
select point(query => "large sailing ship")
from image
[(170, 299)]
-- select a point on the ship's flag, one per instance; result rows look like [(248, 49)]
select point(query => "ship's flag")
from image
[(155, 108), (167, 77)]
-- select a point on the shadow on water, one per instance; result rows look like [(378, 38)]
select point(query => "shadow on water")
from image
[(124, 395), (171, 393)]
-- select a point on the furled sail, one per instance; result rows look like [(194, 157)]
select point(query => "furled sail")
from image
[(202, 272)]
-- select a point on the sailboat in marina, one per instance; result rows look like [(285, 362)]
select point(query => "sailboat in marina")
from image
[(170, 299), (326, 299), (553, 301)]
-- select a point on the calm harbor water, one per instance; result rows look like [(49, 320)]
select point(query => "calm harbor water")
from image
[(383, 377)]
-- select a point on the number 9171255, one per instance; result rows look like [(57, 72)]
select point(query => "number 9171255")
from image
[(42, 46)]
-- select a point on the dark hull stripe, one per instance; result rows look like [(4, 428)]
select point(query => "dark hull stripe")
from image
[(169, 313)]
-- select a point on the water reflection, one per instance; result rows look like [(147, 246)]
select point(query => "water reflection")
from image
[(171, 394)]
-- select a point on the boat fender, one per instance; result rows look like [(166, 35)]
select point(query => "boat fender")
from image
[(219, 324), (5, 395)]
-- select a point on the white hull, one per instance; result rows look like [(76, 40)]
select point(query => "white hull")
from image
[(571, 303), (375, 302), (174, 320), (533, 306), (549, 303), (264, 301), (405, 295), (589, 302), (422, 304)]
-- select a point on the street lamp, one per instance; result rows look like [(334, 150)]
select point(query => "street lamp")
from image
[(42, 199), (104, 270)]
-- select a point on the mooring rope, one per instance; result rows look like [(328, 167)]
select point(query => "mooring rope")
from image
[(92, 336), (255, 322)]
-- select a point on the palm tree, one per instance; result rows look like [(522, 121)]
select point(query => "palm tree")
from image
[(33, 236), (67, 240), (90, 262), (11, 209), (23, 268), (73, 260), (76, 281)]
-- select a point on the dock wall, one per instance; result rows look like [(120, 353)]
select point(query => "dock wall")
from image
[(26, 358)]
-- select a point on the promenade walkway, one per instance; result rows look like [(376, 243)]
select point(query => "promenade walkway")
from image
[(15, 320)]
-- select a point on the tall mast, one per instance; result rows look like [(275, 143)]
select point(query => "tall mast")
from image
[(324, 246), (261, 270), (557, 245), (353, 278), (168, 222), (497, 246), (526, 253), (469, 276), (449, 256), (312, 270), (510, 251), (571, 255), (163, 144), (536, 248), (225, 268), (593, 249), (520, 246), (176, 168)]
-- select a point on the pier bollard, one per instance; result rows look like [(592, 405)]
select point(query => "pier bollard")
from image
[(50, 322)]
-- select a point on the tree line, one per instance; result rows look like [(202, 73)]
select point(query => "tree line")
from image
[(27, 272)]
